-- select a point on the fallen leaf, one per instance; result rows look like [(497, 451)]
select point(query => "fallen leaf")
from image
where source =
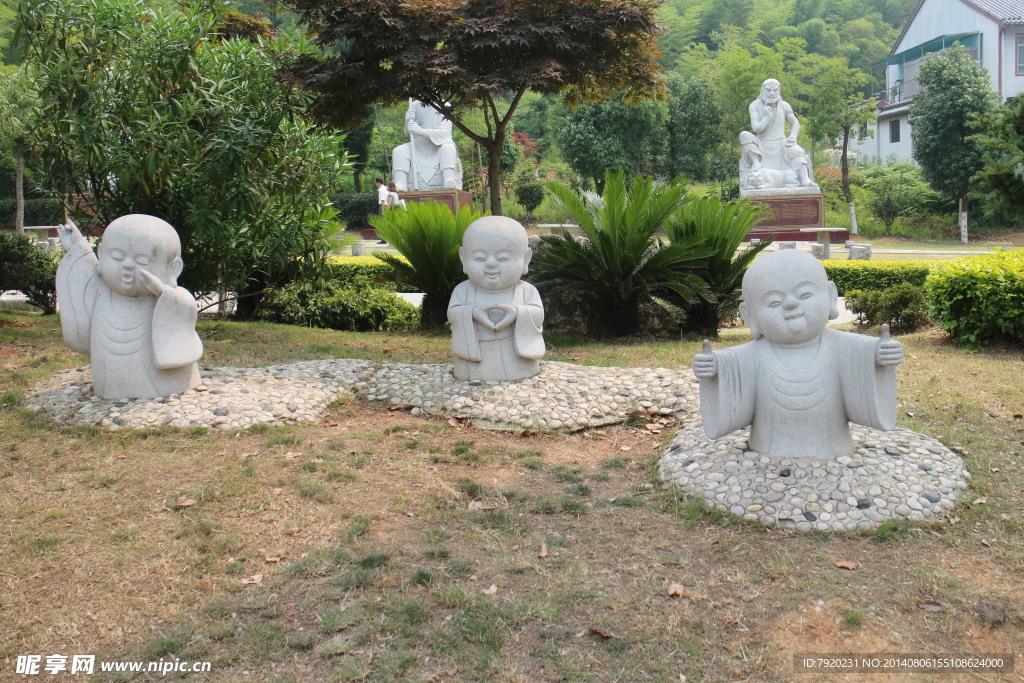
[(627, 448), (930, 606), (675, 589), (653, 427), (272, 558), (477, 505), (993, 469), (987, 543), (980, 501), (254, 580), (847, 564), (277, 492), (599, 634), (291, 455), (543, 550), (184, 503), (910, 414), (394, 408), (1018, 416), (458, 420), (492, 590)]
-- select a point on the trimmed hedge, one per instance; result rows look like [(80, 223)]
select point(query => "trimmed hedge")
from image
[(876, 275), (903, 307), (345, 270), (355, 308), (980, 300), (354, 208)]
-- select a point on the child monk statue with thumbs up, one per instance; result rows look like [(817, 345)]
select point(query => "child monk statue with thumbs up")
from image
[(799, 384)]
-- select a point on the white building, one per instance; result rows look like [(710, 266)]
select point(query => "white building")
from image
[(992, 31)]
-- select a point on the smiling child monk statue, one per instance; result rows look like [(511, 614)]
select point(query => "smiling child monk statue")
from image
[(496, 318), (125, 311), (798, 384)]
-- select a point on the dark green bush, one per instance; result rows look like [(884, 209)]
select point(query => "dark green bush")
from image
[(980, 299), (346, 270), (37, 212), (29, 269), (354, 308), (903, 307), (354, 208), (876, 275), (530, 194)]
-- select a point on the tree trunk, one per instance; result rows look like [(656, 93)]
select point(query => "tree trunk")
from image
[(599, 186), (494, 173), (963, 218), (844, 166), (19, 185), (357, 180)]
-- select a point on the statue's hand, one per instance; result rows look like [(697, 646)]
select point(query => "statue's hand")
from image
[(69, 234), (790, 141), (705, 365), (508, 314), (480, 315), (888, 351), (153, 284)]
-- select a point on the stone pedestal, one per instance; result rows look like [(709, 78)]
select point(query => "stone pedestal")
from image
[(793, 213), (453, 199)]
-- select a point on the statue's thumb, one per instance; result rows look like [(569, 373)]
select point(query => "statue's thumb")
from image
[(885, 333), (706, 348)]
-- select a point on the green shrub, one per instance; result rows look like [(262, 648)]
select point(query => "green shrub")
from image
[(355, 208), (530, 194), (29, 269), (903, 307), (355, 308), (876, 275), (37, 212), (980, 299), (428, 237)]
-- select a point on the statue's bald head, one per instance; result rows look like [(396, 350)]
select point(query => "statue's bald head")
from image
[(787, 296), (138, 241)]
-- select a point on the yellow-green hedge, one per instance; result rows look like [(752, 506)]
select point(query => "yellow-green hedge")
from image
[(876, 275), (980, 299)]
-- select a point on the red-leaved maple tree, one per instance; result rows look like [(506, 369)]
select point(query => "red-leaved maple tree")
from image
[(459, 55)]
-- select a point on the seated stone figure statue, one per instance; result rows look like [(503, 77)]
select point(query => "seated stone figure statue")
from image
[(496, 318), (799, 384), (125, 311), (771, 159), (430, 160)]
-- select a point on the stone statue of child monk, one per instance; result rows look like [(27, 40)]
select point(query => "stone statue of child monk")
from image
[(496, 318), (125, 311), (799, 384)]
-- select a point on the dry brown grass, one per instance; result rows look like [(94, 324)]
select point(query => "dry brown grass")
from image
[(378, 536)]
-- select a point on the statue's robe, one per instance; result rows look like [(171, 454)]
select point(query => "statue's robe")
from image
[(800, 410), (509, 354), (140, 347)]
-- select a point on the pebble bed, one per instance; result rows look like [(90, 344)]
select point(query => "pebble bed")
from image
[(561, 397), (893, 475)]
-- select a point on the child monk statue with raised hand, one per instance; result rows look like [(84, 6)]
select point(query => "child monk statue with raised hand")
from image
[(799, 384), (125, 310), (496, 318)]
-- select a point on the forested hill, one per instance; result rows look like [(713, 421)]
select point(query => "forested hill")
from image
[(863, 31)]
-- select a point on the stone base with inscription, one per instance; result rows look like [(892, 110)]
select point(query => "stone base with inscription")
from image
[(453, 199), (791, 214)]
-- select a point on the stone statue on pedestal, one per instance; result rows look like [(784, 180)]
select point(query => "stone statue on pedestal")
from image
[(799, 384), (497, 319), (125, 311), (430, 160), (772, 162)]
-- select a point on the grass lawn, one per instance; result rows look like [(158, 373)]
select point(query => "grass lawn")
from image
[(382, 546)]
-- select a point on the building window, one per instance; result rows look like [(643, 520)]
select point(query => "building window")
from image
[(1020, 54), (894, 130)]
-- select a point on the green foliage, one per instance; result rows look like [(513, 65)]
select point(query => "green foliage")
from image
[(530, 194), (29, 269), (355, 209), (719, 226), (37, 212), (850, 276), (354, 308), (896, 190), (612, 136), (152, 111), (903, 307), (428, 236), (344, 271), (613, 274), (693, 126), (954, 89), (980, 300), (1001, 139)]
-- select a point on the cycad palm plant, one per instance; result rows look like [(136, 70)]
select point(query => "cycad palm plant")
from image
[(621, 265), (428, 235), (719, 227)]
